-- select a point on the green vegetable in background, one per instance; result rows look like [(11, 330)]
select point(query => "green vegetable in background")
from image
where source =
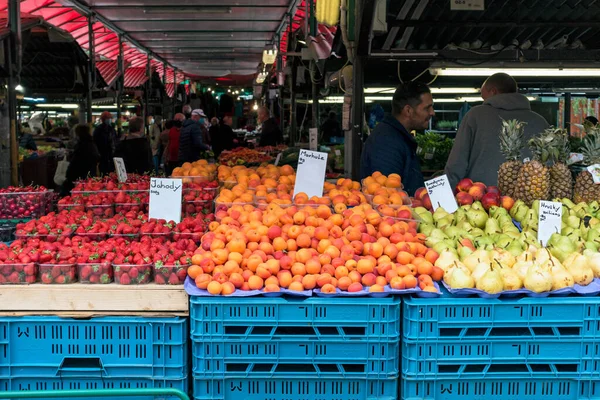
[(433, 150)]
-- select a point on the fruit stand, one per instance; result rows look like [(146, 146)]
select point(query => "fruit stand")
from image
[(361, 293)]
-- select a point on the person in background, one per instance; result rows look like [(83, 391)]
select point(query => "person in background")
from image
[(172, 155), (224, 139), (72, 123), (331, 128), (190, 138), (135, 148), (204, 127), (476, 151), (592, 119), (26, 140), (187, 111), (270, 133), (391, 148), (163, 144), (154, 135), (84, 160), (105, 138), (213, 131)]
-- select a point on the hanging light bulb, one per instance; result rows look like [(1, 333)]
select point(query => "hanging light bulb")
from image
[(255, 107)]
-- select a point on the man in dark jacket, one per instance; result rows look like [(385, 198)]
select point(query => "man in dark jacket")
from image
[(476, 151), (105, 138), (135, 149), (224, 138), (391, 148), (270, 133), (190, 138), (331, 128), (84, 160)]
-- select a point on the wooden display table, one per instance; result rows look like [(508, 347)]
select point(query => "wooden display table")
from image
[(84, 300)]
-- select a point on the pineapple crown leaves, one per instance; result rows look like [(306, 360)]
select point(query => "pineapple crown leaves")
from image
[(511, 138), (591, 148), (550, 145)]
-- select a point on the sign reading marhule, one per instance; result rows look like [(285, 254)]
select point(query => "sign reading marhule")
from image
[(120, 169), (549, 220), (165, 199), (310, 175), (440, 194)]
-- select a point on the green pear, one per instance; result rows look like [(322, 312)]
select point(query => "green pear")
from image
[(424, 215), (593, 207), (446, 260), (580, 210), (426, 228), (458, 278), (520, 213), (513, 234), (513, 210), (476, 232), (477, 206), (591, 246), (463, 252), (444, 221), (515, 248), (442, 245), (535, 205), (573, 221), (491, 281), (460, 215), (503, 241), (568, 203), (492, 227), (439, 213), (477, 218)]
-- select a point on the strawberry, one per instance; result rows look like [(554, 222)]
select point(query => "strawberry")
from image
[(174, 280), (159, 280), (133, 272), (125, 279), (85, 272), (60, 279), (47, 278), (94, 279)]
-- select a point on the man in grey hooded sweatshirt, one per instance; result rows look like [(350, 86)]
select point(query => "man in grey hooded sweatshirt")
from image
[(476, 151)]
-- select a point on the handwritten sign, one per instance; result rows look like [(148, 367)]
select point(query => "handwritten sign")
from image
[(310, 175), (313, 138), (165, 199), (440, 194), (467, 5), (549, 220), (120, 168), (278, 159), (595, 171)]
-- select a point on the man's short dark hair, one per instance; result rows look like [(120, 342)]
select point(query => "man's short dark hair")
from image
[(408, 94), (82, 131), (503, 83), (592, 119), (136, 124)]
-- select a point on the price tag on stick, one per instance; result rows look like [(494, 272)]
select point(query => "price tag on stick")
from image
[(440, 194), (278, 159), (549, 220), (120, 168), (165, 199), (310, 175)]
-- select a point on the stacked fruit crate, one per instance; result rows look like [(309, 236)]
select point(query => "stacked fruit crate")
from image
[(498, 349), (294, 348), (52, 353)]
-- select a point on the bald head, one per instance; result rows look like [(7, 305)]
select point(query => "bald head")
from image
[(498, 84), (179, 117), (187, 109)]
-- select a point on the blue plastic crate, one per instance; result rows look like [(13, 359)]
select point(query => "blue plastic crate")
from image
[(266, 318), (98, 347), (498, 389), (307, 358), (295, 389), (473, 359), (50, 383), (458, 319)]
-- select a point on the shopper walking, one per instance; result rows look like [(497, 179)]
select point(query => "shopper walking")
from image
[(105, 138), (224, 139), (84, 159), (154, 135), (172, 156), (270, 133), (135, 148), (190, 139)]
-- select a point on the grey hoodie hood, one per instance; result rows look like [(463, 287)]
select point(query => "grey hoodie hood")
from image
[(508, 101)]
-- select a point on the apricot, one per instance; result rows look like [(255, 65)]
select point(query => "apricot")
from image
[(376, 288), (227, 288), (271, 288), (410, 281), (214, 288), (296, 286), (309, 282), (255, 282), (328, 288), (203, 280), (355, 287)]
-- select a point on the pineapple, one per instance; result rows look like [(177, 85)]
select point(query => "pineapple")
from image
[(511, 144), (585, 189), (561, 180), (533, 182)]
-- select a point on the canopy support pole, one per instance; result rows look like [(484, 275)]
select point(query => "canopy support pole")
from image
[(174, 89), (567, 113), (353, 140), (14, 64), (91, 73), (120, 80)]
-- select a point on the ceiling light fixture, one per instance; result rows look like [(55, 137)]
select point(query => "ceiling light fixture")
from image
[(187, 10), (559, 72), (269, 56), (448, 90)]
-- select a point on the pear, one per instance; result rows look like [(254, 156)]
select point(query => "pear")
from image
[(520, 213), (477, 218), (538, 280), (573, 221), (456, 265), (591, 246), (491, 281), (503, 241), (439, 214), (426, 228), (459, 279), (476, 232), (463, 252), (480, 270), (460, 215), (445, 260), (593, 261), (568, 203), (444, 222), (530, 220), (503, 257), (577, 265), (511, 279), (424, 214), (444, 244), (515, 248), (522, 268), (477, 206), (492, 227), (515, 207), (561, 278)]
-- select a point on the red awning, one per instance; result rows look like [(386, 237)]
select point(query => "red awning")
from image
[(169, 89), (135, 77), (108, 70)]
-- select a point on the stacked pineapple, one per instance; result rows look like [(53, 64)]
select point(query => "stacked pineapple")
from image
[(511, 144), (585, 189), (533, 181), (561, 180)]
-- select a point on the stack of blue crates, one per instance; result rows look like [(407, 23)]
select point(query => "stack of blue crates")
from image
[(52, 353), (295, 349), (501, 349)]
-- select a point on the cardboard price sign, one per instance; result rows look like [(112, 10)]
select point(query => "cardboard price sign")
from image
[(440, 194), (549, 220), (310, 175), (165, 199), (120, 169)]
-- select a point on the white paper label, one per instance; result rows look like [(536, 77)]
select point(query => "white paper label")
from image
[(550, 220), (165, 199), (574, 158), (310, 175), (526, 159), (313, 138), (120, 169), (277, 159), (595, 171), (467, 5), (440, 194), (338, 152)]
